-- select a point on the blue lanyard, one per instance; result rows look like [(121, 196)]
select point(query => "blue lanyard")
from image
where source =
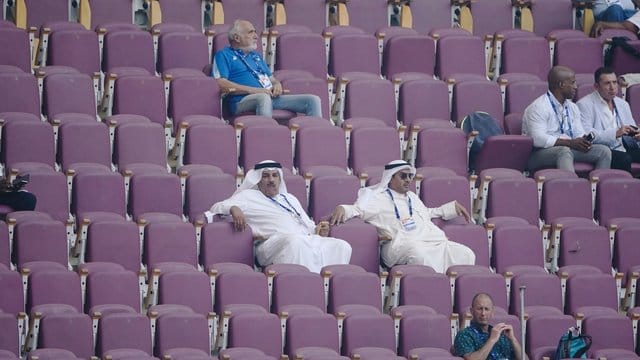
[(291, 210), (254, 72), (396, 208), (560, 122), (618, 121)]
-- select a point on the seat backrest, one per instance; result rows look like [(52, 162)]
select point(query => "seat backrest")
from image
[(302, 51), (54, 287), (408, 53), (556, 193), (206, 142), (582, 55), (112, 287), (110, 11), (20, 93), (193, 96), (124, 331), (502, 195), (181, 330), (373, 98), (310, 13), (127, 92), (585, 245), (550, 15), (26, 141), (297, 288), (12, 301), (40, 12), (615, 198), (174, 285), (15, 48), (517, 245), (442, 147), (541, 290), (354, 288), (580, 292), (110, 197), (220, 243), (353, 52), (114, 241), (203, 190), (373, 147), (546, 330), (428, 290), (490, 17), (68, 93), (50, 189), (183, 50), (431, 14), (169, 242), (28, 244), (526, 55), (368, 15), (602, 328), (460, 54), (434, 104), (137, 45), (329, 191), (139, 143), (474, 237), (520, 94), (188, 12), (438, 190), (144, 190), (80, 142), (310, 139), (241, 287), (75, 48)]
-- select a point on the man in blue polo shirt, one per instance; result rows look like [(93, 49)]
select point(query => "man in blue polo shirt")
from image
[(480, 341), (243, 74)]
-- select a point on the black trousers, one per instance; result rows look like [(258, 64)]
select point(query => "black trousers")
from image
[(18, 200)]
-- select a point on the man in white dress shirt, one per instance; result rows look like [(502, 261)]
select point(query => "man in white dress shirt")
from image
[(263, 203), (609, 118), (554, 123), (400, 215)]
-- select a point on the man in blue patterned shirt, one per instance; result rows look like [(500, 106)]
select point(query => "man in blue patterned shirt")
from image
[(480, 341)]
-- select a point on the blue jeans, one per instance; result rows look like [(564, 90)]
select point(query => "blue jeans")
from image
[(264, 105), (615, 13)]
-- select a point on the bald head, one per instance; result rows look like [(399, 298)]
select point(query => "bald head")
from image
[(562, 83), (559, 74)]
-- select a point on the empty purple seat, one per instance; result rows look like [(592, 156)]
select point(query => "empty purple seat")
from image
[(301, 51), (74, 48), (182, 53), (442, 147), (549, 15), (363, 238), (371, 98), (353, 53), (126, 94), (20, 93), (112, 288), (144, 190), (329, 191), (44, 240), (116, 241), (460, 56), (69, 93), (526, 55), (221, 243), (118, 332), (181, 330), (408, 53), (16, 48), (83, 142), (318, 163), (139, 143)]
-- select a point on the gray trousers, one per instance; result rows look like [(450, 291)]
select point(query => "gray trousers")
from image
[(563, 157)]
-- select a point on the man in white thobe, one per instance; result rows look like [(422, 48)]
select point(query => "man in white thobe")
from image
[(400, 215), (263, 203)]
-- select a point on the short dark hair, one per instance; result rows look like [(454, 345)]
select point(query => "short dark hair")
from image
[(602, 70)]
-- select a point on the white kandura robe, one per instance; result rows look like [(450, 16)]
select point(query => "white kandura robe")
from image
[(289, 238), (427, 244)]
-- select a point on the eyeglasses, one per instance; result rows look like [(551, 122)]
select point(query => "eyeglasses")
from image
[(405, 176)]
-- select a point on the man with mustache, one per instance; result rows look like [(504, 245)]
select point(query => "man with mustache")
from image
[(242, 73), (263, 203), (399, 214), (609, 118)]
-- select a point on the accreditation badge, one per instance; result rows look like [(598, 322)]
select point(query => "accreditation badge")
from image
[(408, 224), (265, 81)]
